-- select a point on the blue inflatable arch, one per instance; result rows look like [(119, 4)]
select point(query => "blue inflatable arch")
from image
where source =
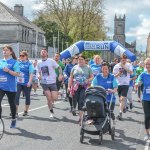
[(81, 46)]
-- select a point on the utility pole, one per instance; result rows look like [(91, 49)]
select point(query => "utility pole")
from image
[(58, 42)]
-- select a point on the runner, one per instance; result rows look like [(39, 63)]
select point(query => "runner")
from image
[(122, 72), (145, 79), (96, 67), (57, 59), (66, 74), (9, 69), (108, 81), (139, 70), (47, 77), (35, 77), (80, 77), (24, 81), (129, 94)]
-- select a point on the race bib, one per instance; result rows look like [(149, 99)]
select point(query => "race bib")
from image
[(3, 79), (43, 81), (148, 90), (20, 79)]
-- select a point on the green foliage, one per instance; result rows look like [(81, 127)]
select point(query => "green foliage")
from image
[(74, 19), (90, 54), (51, 29)]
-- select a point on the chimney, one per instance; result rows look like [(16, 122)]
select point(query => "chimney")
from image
[(18, 9)]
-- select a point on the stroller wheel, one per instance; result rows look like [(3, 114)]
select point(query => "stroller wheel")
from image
[(100, 138), (81, 135), (113, 133)]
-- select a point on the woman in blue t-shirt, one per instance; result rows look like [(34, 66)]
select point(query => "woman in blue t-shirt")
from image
[(145, 79), (96, 66), (9, 69), (108, 81), (24, 81)]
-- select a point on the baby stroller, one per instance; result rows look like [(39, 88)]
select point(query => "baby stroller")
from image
[(96, 119)]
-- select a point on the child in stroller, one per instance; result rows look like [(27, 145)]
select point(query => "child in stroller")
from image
[(96, 119)]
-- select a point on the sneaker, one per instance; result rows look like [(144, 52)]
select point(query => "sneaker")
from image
[(74, 112), (124, 110), (25, 113), (119, 116), (131, 105), (51, 115), (146, 138), (13, 123), (113, 116)]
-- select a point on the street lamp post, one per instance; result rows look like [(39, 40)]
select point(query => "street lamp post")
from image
[(54, 43)]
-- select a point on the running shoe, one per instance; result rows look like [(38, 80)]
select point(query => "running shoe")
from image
[(51, 113), (13, 123), (74, 112), (119, 116), (146, 138), (124, 110), (25, 113)]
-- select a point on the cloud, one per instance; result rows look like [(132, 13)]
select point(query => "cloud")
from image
[(137, 19)]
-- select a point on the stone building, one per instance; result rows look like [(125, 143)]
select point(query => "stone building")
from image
[(20, 33), (119, 34)]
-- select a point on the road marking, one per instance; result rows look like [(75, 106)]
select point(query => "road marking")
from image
[(147, 145), (5, 105), (34, 109)]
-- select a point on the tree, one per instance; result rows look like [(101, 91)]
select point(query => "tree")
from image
[(51, 29)]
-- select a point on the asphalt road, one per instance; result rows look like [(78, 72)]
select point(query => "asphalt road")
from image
[(37, 131)]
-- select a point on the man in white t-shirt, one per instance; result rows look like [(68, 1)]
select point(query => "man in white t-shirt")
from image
[(122, 72), (47, 77)]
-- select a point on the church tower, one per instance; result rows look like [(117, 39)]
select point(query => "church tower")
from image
[(119, 29), (148, 47)]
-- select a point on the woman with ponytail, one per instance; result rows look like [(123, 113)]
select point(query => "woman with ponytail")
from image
[(9, 69)]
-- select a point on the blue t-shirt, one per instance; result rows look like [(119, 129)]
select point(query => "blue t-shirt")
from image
[(91, 62), (145, 79), (7, 81), (132, 76), (26, 68), (67, 72), (106, 82), (96, 69)]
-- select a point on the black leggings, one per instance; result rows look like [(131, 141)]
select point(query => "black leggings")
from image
[(79, 97), (67, 95), (140, 89), (11, 99), (146, 107)]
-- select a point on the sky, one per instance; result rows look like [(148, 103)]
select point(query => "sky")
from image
[(136, 11)]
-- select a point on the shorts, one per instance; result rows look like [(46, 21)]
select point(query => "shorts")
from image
[(50, 87), (58, 83), (123, 90)]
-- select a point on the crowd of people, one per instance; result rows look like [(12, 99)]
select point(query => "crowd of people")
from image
[(76, 74)]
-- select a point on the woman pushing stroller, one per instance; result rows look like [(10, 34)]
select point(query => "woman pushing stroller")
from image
[(107, 81), (80, 77)]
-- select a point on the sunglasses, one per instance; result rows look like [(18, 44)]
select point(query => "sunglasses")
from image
[(22, 55)]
